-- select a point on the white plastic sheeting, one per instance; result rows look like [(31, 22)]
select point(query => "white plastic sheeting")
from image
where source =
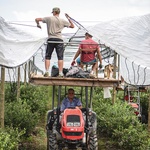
[(16, 46), (129, 37)]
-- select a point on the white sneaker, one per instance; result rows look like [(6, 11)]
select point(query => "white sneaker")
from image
[(92, 75), (61, 75)]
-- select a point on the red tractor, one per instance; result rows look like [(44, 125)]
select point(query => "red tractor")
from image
[(72, 129)]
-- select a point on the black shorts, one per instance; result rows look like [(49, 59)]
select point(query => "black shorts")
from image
[(58, 46)]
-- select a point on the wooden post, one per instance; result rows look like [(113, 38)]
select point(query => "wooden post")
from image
[(2, 97), (18, 84), (25, 74), (114, 76)]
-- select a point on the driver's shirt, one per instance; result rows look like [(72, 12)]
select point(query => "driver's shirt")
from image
[(66, 103)]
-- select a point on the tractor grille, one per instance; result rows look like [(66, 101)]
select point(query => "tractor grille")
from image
[(73, 133), (73, 118)]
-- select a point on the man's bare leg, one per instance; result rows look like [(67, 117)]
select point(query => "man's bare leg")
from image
[(94, 68), (60, 66), (47, 65)]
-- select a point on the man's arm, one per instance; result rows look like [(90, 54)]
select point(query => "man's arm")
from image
[(37, 20), (71, 23), (76, 55), (79, 104), (99, 55), (78, 107)]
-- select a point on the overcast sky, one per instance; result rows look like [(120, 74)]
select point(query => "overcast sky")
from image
[(84, 11)]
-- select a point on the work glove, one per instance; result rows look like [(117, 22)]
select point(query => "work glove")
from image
[(73, 62), (100, 66)]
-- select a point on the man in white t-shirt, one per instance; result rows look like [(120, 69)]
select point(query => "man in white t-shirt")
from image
[(55, 25)]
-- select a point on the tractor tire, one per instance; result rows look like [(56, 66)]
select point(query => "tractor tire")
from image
[(52, 142), (48, 133), (93, 142)]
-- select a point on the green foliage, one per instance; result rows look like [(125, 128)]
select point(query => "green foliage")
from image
[(18, 115), (119, 122), (9, 138), (133, 137), (10, 91), (35, 97)]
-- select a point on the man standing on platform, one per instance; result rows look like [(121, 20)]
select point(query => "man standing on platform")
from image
[(55, 25)]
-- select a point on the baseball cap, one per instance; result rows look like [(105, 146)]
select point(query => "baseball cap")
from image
[(88, 34), (56, 9)]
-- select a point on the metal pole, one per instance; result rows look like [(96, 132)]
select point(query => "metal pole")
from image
[(86, 97), (91, 95), (53, 96)]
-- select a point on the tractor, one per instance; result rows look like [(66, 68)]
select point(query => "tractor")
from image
[(73, 128)]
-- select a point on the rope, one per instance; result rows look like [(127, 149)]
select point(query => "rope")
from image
[(127, 70), (138, 74), (144, 75), (133, 71)]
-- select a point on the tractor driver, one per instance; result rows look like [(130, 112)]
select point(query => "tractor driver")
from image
[(70, 101)]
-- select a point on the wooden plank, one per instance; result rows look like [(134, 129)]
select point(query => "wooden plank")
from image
[(97, 82)]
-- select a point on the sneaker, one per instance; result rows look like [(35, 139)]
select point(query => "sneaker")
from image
[(60, 75), (92, 75), (46, 74)]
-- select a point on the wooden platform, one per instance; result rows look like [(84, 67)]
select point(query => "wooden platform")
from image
[(65, 81)]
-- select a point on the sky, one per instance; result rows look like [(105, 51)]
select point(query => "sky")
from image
[(86, 12)]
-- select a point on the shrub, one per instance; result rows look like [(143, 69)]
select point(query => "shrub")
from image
[(18, 115), (36, 97), (119, 122), (9, 138)]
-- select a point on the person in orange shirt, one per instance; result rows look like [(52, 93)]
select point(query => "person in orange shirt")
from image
[(88, 51)]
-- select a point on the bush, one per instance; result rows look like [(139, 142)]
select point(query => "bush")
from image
[(18, 115), (36, 97), (119, 122), (9, 138)]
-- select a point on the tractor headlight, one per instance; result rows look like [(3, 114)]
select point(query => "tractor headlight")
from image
[(73, 124), (76, 124), (69, 124)]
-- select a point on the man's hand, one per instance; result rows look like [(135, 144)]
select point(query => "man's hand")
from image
[(77, 107), (100, 66), (73, 62), (38, 25), (67, 16)]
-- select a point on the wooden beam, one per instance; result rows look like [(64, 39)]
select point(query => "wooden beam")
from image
[(97, 82)]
